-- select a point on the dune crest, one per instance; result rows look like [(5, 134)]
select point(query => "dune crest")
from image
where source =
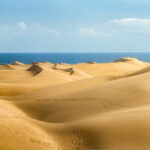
[(86, 106), (6, 67), (17, 63), (35, 69), (125, 59)]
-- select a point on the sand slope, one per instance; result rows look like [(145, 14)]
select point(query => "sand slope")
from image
[(84, 106)]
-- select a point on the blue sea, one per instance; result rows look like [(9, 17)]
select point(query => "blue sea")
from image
[(70, 58)]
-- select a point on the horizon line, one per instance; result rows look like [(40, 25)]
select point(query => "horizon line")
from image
[(79, 52)]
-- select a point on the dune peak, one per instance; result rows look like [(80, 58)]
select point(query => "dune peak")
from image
[(17, 63), (35, 69), (35, 63), (126, 59), (90, 62)]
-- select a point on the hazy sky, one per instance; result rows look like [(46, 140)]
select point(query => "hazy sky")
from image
[(74, 25)]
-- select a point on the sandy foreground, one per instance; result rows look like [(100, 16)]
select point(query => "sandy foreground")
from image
[(86, 106)]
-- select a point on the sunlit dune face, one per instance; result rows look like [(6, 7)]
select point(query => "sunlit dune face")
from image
[(48, 106)]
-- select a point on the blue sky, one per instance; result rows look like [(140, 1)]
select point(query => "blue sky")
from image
[(74, 25)]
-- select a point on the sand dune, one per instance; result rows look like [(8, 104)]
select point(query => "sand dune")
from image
[(6, 67), (87, 106), (114, 68), (17, 63), (35, 69)]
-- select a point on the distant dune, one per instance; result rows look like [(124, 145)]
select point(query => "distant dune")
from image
[(86, 106)]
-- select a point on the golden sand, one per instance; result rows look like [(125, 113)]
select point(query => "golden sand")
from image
[(86, 106)]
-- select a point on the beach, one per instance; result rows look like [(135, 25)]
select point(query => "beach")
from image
[(84, 106)]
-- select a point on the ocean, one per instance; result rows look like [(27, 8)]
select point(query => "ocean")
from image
[(70, 58)]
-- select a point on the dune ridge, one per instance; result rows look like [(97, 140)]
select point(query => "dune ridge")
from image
[(35, 68), (86, 106)]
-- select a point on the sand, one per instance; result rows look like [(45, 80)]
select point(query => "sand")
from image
[(86, 106)]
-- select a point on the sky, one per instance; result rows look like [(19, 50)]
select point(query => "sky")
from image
[(74, 26)]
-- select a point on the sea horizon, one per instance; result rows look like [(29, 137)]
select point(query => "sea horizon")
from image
[(70, 57)]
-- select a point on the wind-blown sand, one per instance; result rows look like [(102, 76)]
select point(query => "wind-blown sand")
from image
[(86, 106)]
